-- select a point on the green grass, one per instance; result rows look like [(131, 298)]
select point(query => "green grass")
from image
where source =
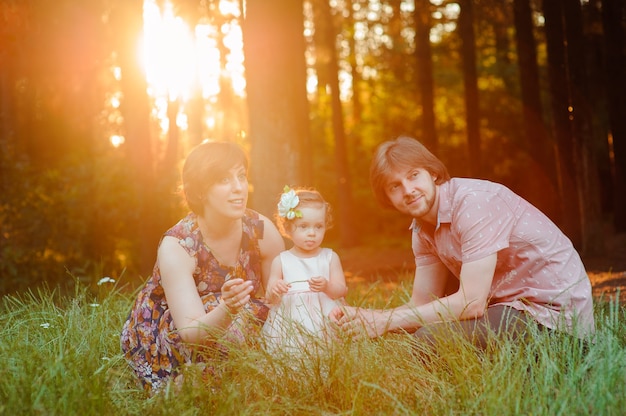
[(60, 356)]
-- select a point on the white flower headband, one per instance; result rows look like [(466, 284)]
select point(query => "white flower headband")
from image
[(288, 202)]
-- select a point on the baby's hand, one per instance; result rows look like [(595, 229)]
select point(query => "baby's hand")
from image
[(279, 289), (318, 284)]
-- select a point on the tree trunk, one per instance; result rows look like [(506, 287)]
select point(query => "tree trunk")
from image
[(358, 151), (581, 120), (500, 20), (357, 106), (196, 131), (278, 108), (538, 143), (425, 81), (557, 71), (595, 62), (613, 17), (128, 18), (9, 55), (470, 83), (345, 204)]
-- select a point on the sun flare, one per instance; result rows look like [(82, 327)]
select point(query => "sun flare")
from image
[(181, 61), (169, 52), (177, 57)]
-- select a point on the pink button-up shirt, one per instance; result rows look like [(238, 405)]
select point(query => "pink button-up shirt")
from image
[(538, 270)]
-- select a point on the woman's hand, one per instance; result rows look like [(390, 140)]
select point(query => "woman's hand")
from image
[(236, 293), (318, 284)]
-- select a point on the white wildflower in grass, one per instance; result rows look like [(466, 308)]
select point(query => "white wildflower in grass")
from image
[(104, 280)]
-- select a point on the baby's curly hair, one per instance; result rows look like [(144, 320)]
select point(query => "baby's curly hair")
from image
[(308, 197)]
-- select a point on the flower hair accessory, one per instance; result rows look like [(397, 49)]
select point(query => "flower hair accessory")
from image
[(288, 202)]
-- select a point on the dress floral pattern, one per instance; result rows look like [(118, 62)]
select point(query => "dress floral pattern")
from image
[(149, 340)]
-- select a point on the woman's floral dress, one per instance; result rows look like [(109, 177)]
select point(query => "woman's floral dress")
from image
[(149, 339)]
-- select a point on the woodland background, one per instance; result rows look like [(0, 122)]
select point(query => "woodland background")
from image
[(528, 93)]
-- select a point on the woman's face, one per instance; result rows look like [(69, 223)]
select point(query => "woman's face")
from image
[(229, 195)]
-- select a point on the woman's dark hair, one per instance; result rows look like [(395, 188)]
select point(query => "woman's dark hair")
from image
[(206, 164)]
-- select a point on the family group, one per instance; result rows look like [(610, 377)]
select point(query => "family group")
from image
[(224, 276)]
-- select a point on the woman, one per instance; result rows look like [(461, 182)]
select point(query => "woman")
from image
[(211, 266)]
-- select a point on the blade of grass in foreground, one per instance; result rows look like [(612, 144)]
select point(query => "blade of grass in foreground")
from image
[(61, 356)]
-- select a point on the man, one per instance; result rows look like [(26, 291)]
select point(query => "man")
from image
[(513, 264)]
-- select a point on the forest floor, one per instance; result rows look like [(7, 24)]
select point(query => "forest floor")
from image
[(607, 271)]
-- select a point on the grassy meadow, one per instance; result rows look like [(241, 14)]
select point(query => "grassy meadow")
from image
[(60, 356)]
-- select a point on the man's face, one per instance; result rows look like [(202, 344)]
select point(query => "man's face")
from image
[(413, 191)]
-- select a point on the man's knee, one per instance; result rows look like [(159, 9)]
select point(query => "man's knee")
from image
[(499, 321)]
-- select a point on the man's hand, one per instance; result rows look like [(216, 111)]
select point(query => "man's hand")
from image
[(356, 323)]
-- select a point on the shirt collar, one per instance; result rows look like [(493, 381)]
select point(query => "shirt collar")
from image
[(444, 214)]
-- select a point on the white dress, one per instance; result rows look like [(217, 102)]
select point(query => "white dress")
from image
[(301, 318)]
